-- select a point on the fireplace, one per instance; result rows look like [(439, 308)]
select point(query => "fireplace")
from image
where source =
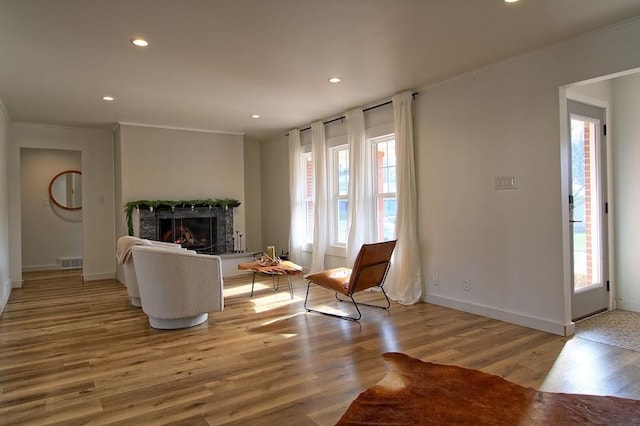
[(206, 230)]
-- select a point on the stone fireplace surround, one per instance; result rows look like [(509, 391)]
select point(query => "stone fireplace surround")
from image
[(222, 219)]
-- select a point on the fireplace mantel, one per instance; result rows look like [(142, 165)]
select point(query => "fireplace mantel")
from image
[(173, 204)]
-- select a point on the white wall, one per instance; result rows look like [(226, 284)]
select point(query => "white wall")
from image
[(48, 232), (178, 164), (506, 120), (253, 197), (5, 280), (98, 223), (121, 228), (596, 93), (626, 128), (501, 120), (274, 168)]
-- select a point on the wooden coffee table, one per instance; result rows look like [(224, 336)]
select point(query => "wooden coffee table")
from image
[(284, 268)]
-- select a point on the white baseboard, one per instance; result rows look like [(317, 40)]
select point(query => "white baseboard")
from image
[(16, 284), (99, 276), (628, 306), (37, 268), (506, 316)]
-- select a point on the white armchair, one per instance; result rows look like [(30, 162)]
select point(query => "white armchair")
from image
[(123, 254), (178, 289)]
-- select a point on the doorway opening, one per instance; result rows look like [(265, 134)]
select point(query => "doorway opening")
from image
[(51, 230)]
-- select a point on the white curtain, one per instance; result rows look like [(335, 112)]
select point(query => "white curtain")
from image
[(296, 196), (361, 204), (320, 224), (404, 283)]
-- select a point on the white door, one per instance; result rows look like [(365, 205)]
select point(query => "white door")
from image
[(588, 208)]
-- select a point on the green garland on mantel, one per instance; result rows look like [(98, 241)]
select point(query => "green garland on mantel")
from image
[(209, 202)]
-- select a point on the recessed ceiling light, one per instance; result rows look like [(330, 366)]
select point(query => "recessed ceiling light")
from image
[(108, 98), (255, 115), (335, 80), (510, 1), (140, 42)]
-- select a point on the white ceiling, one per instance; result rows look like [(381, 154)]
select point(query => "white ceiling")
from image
[(213, 63)]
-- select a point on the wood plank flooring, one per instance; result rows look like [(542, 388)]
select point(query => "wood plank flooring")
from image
[(74, 352)]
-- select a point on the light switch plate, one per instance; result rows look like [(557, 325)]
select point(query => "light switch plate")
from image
[(506, 182)]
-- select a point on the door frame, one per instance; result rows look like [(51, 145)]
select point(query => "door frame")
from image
[(565, 152)]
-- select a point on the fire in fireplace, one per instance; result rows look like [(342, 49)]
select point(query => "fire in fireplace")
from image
[(196, 233)]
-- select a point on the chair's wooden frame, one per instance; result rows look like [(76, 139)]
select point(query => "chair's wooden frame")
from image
[(353, 287)]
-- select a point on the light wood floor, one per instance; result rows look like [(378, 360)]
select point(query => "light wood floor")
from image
[(78, 353)]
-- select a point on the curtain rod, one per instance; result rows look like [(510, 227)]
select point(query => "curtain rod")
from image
[(364, 110)]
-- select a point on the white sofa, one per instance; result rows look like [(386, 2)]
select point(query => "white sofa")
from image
[(123, 255), (178, 289)]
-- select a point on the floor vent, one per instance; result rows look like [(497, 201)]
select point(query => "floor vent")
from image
[(70, 262)]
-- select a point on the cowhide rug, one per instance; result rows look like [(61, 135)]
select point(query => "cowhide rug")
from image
[(416, 392)]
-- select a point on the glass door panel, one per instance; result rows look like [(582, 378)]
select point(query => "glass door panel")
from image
[(586, 206), (587, 203)]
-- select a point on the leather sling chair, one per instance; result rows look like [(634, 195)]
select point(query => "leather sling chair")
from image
[(369, 270)]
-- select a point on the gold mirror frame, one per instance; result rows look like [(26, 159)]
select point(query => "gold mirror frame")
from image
[(71, 188)]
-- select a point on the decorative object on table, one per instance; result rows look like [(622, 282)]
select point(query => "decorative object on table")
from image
[(271, 251), (284, 255), (263, 259), (415, 392)]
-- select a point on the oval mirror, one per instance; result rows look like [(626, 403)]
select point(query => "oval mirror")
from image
[(65, 190)]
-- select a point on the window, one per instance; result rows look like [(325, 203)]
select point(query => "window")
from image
[(384, 149), (339, 191), (309, 195)]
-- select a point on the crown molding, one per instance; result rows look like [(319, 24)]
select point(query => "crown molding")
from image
[(187, 129)]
